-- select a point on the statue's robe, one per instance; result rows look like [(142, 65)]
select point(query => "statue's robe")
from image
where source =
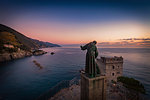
[(91, 67)]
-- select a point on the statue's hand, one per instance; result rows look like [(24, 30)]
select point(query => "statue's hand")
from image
[(81, 47)]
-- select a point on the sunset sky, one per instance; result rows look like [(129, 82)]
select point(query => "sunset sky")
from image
[(67, 22)]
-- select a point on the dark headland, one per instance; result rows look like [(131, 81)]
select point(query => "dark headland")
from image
[(14, 45)]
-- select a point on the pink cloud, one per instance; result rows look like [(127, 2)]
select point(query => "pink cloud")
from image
[(126, 43)]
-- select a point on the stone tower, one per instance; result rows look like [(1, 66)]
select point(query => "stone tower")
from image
[(112, 67)]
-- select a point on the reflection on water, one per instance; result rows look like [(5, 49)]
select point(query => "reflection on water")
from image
[(22, 80)]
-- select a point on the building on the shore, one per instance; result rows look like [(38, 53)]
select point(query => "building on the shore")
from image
[(111, 67), (8, 46)]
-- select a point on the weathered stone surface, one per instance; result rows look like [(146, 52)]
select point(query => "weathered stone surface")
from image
[(112, 67), (93, 88)]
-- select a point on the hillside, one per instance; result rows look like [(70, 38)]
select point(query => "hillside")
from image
[(45, 44), (10, 38)]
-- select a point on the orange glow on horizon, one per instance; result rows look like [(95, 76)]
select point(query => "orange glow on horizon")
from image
[(79, 34)]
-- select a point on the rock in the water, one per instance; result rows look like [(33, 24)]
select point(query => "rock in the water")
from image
[(52, 53), (38, 52), (37, 64)]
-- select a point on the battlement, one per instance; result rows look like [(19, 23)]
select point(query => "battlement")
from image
[(112, 67), (114, 59)]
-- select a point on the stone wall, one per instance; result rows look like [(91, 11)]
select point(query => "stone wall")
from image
[(112, 67)]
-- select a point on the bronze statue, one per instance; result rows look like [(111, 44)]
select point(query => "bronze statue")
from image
[(91, 67)]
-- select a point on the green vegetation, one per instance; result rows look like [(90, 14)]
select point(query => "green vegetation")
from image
[(7, 38), (132, 84), (10, 36), (9, 50), (114, 82)]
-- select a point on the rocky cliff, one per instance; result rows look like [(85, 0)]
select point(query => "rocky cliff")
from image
[(14, 45), (15, 55), (17, 39), (19, 54)]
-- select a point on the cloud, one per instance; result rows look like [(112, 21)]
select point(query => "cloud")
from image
[(136, 39), (144, 43), (127, 39), (104, 43), (141, 38)]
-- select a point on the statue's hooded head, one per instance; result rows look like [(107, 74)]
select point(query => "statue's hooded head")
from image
[(94, 42)]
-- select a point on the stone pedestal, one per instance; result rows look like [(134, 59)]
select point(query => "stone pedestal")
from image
[(93, 88)]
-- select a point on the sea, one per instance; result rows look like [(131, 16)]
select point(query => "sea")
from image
[(21, 79)]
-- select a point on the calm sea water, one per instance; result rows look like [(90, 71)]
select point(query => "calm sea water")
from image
[(22, 80)]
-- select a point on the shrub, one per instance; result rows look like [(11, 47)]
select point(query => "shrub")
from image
[(131, 83)]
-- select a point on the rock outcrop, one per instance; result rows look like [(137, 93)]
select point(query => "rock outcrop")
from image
[(19, 54), (71, 93), (14, 55), (38, 52)]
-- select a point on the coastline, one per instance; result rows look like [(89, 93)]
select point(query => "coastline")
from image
[(117, 92), (50, 71), (70, 93), (19, 54)]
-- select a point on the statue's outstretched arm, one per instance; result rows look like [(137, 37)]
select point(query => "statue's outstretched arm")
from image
[(84, 47)]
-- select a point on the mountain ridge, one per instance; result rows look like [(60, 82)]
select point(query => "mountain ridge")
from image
[(21, 41)]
